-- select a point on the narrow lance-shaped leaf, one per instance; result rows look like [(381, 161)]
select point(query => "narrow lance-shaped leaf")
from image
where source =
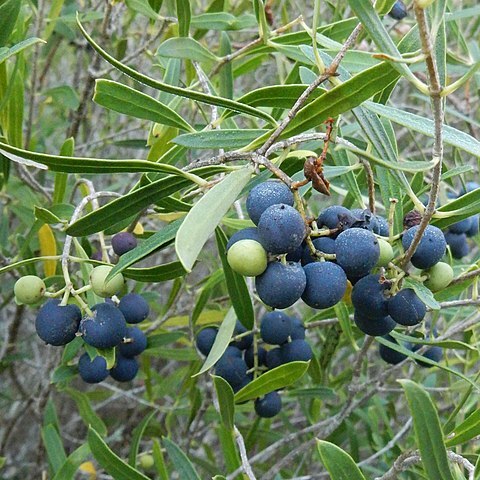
[(6, 53), (206, 214), (126, 100), (225, 401), (427, 431), (340, 464), (182, 463)]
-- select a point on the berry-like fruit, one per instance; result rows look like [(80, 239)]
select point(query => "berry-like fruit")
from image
[(333, 216), (357, 251), (250, 233), (458, 244), (265, 195), (273, 358), (322, 244), (383, 228), (106, 328), (269, 405), (29, 289), (247, 257), (368, 297), (463, 226), (232, 369), (261, 352), (390, 355), (431, 248), (123, 242), (298, 329), (326, 284), (386, 253), (398, 11), (281, 229), (374, 327), (281, 285), (275, 328), (365, 219), (92, 371), (433, 353), (244, 342), (232, 351), (57, 324), (125, 369), (205, 339), (439, 276), (136, 343), (102, 288), (474, 227), (296, 351), (406, 308), (146, 461), (134, 307)]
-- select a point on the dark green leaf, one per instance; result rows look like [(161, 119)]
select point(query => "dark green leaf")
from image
[(228, 139), (225, 401), (184, 15), (70, 467), (6, 53), (160, 273), (181, 462), (54, 447), (9, 10), (138, 432), (86, 411), (339, 464), (466, 431), (271, 380)]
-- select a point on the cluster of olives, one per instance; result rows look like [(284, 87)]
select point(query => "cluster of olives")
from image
[(237, 364), (102, 326)]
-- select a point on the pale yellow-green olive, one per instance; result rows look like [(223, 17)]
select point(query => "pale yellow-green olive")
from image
[(386, 253), (439, 276), (102, 288), (247, 257), (29, 289)]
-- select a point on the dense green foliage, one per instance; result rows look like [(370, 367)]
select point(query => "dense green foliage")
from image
[(131, 134)]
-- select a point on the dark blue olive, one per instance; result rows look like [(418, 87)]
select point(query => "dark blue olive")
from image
[(275, 328), (326, 284), (322, 244), (333, 216), (296, 351), (273, 358), (383, 228), (406, 308), (106, 328), (473, 230), (205, 339), (298, 329), (368, 297), (281, 229), (123, 242), (265, 195), (269, 405), (431, 248), (261, 352), (374, 327), (365, 219), (463, 226), (389, 355), (92, 371), (281, 285), (398, 11), (125, 369), (56, 324), (134, 307), (135, 345), (232, 369), (250, 233), (458, 244), (245, 341), (357, 251), (296, 255), (432, 353)]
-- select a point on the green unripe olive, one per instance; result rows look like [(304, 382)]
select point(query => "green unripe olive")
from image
[(386, 253), (146, 461), (29, 289), (97, 281), (247, 257), (439, 276)]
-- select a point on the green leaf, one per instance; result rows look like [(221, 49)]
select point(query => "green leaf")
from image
[(206, 214), (64, 96), (63, 372), (182, 92), (54, 447), (109, 461), (427, 431), (339, 464), (186, 48), (126, 100), (423, 293), (143, 7), (451, 136), (460, 208), (228, 139), (58, 163), (160, 273), (70, 467), (223, 338), (181, 462), (6, 53), (138, 432), (154, 243), (159, 460), (184, 15), (9, 10), (466, 431), (455, 344), (271, 380), (86, 411), (236, 285), (225, 401)]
